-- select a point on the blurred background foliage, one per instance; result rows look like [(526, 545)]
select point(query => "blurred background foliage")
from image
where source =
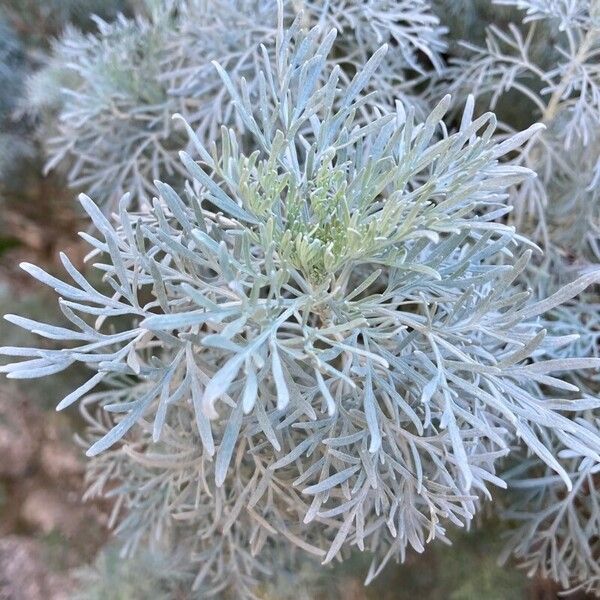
[(54, 546)]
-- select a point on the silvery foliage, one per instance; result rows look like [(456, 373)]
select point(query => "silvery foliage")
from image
[(114, 114), (556, 532), (567, 12), (559, 86), (120, 86), (25, 28), (323, 341), (560, 210), (230, 538)]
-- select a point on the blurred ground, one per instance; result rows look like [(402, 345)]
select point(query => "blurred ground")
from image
[(45, 529)]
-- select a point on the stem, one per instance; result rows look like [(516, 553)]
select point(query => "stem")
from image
[(556, 97)]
